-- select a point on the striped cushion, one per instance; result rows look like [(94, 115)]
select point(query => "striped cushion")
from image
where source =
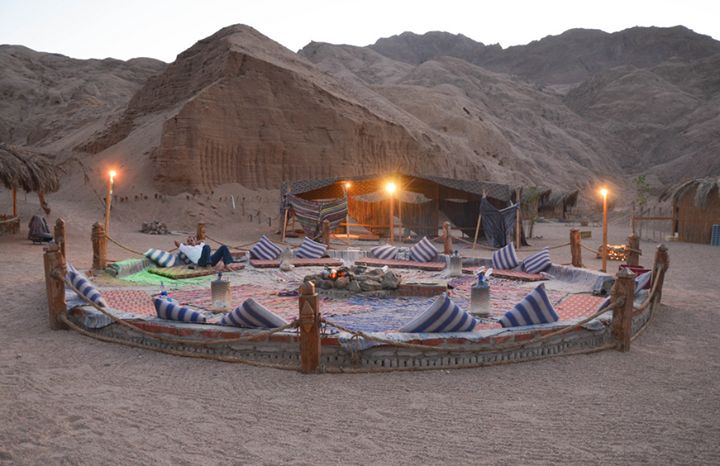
[(252, 315), (505, 258), (443, 316), (181, 258), (538, 262), (641, 281), (423, 251), (160, 257), (85, 286), (169, 309), (310, 249), (384, 251), (535, 308), (265, 249)]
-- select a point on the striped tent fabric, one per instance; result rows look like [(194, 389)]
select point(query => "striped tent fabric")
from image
[(161, 258), (442, 316), (641, 281), (265, 249), (423, 251), (310, 249), (181, 258), (84, 286), (311, 214), (534, 309), (538, 262), (384, 251), (505, 258), (252, 315), (169, 309)]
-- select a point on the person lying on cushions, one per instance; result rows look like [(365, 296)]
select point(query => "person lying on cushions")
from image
[(201, 254)]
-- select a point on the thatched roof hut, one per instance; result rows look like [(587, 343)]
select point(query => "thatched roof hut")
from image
[(695, 207), (558, 204), (29, 171)]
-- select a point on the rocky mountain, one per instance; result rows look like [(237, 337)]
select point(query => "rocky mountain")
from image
[(45, 97)]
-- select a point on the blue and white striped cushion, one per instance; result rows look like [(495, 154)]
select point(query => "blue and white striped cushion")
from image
[(505, 258), (265, 249), (310, 249), (181, 258), (534, 309), (423, 251), (252, 315), (169, 309), (85, 286), (384, 251), (443, 316), (641, 281), (538, 262), (160, 257)]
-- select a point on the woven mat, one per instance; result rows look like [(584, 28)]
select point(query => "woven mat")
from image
[(375, 262), (132, 301), (184, 271), (323, 261)]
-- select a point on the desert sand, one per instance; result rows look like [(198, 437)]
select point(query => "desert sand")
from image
[(69, 399)]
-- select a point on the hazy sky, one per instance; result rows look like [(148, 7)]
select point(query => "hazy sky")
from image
[(163, 28)]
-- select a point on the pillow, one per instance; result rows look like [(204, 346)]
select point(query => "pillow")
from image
[(160, 257), (505, 258), (535, 308), (169, 309), (265, 249), (641, 281), (384, 251), (538, 262), (310, 249), (442, 316), (181, 258), (403, 254), (84, 286), (252, 315), (423, 251)]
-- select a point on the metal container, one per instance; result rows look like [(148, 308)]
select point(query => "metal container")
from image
[(480, 299)]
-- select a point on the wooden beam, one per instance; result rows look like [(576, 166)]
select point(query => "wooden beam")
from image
[(662, 263), (576, 247), (309, 329), (477, 231), (55, 270), (14, 202), (59, 236), (623, 293), (99, 244), (632, 250)]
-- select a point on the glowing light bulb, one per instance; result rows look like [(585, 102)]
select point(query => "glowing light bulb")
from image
[(390, 187), (603, 192), (112, 174)]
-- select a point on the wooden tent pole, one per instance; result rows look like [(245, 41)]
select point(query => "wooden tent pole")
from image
[(477, 231), (14, 201), (284, 227)]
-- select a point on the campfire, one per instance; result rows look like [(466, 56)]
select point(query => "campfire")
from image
[(355, 279)]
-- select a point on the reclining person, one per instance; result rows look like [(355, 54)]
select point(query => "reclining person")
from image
[(201, 254)]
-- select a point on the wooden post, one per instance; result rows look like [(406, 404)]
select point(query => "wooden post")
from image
[(632, 250), (99, 244), (309, 329), (447, 239), (55, 271), (662, 263), (284, 227), (14, 202), (59, 236), (200, 233), (326, 232), (576, 247), (518, 225), (623, 292), (477, 231)]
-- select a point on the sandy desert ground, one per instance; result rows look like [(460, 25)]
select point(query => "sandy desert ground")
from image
[(68, 399)]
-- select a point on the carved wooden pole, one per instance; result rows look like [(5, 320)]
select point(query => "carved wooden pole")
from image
[(99, 244), (623, 293), (55, 271), (309, 329), (200, 234), (576, 247), (59, 235), (632, 250), (326, 232), (447, 239), (662, 263)]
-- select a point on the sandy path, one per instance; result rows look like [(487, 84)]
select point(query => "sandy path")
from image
[(68, 399)]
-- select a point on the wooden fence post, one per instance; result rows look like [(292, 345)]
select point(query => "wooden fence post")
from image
[(662, 263), (623, 293), (59, 236), (309, 329), (632, 250), (200, 233), (447, 239), (576, 247), (55, 271), (99, 245), (326, 232)]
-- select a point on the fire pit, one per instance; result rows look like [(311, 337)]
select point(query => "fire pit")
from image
[(355, 279)]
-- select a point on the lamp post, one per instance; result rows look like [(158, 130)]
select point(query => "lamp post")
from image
[(390, 187), (346, 187), (604, 194), (108, 199)]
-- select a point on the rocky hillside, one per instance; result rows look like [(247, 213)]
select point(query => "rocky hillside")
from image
[(45, 97)]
